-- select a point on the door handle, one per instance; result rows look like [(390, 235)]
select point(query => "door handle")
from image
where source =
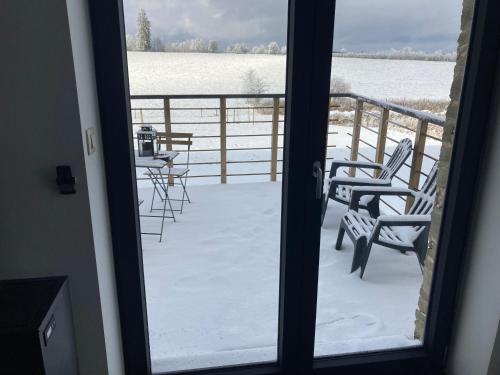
[(318, 175)]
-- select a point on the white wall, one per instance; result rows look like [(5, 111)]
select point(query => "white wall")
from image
[(479, 311), (81, 41), (44, 114)]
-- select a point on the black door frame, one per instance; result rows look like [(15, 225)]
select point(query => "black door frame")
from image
[(110, 57), (309, 51), (310, 29)]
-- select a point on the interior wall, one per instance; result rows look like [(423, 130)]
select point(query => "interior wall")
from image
[(43, 232), (81, 42), (479, 308)]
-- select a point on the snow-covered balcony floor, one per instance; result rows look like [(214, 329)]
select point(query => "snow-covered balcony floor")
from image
[(212, 283)]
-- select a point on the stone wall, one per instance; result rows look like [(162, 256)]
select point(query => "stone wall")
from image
[(444, 163)]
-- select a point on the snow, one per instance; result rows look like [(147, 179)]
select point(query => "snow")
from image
[(221, 73), (359, 180), (405, 218), (212, 283)]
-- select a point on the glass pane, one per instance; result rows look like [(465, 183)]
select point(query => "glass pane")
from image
[(399, 60), (209, 156)]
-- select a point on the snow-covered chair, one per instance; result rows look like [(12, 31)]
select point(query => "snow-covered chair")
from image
[(339, 187), (407, 232)]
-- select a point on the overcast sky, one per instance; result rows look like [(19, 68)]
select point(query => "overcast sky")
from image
[(361, 25)]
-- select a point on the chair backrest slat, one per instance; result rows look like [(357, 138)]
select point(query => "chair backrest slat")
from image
[(397, 159), (423, 205), (424, 202), (173, 142), (176, 138), (175, 135)]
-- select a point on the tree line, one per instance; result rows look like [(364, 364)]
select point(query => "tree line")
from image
[(144, 41), (406, 53)]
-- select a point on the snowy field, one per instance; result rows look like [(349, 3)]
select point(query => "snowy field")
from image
[(198, 73), (212, 284), (222, 73)]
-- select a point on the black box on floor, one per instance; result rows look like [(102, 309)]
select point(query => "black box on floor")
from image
[(36, 327)]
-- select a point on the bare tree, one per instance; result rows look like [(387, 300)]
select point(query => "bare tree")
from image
[(213, 46), (197, 45), (238, 48), (273, 48), (157, 45), (253, 84), (339, 85)]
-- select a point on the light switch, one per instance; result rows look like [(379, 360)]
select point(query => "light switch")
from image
[(91, 140)]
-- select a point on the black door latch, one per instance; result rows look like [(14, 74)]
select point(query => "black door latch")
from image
[(65, 179)]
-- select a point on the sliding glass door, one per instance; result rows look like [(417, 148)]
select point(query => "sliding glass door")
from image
[(389, 135), (208, 87), (246, 241)]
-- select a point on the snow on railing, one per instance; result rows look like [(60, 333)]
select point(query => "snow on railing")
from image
[(233, 134)]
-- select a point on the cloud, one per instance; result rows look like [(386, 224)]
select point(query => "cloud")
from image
[(380, 25), (360, 25), (222, 20)]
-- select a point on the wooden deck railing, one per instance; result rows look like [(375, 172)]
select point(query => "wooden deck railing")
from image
[(215, 111)]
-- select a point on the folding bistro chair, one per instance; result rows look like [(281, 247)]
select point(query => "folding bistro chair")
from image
[(160, 186), (169, 172)]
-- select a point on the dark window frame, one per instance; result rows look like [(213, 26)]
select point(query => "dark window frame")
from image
[(307, 19)]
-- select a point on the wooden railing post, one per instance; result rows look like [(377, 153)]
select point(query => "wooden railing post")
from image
[(274, 138), (223, 141), (168, 131), (168, 120), (356, 132), (417, 158), (382, 136)]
